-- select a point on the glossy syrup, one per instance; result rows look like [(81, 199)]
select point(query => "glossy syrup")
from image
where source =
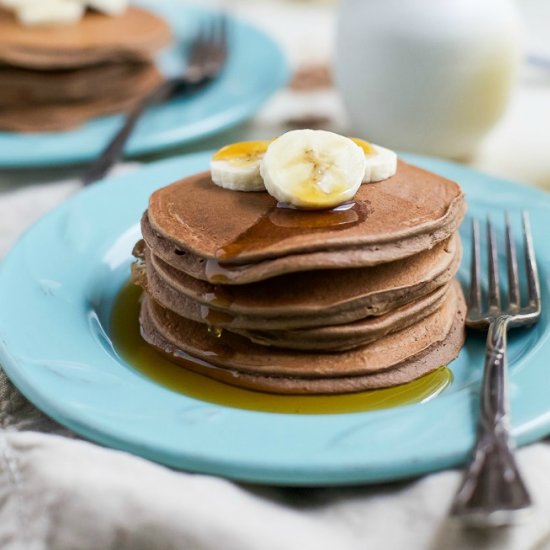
[(151, 364), (279, 223)]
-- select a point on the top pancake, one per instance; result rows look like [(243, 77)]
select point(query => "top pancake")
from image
[(391, 219), (96, 38)]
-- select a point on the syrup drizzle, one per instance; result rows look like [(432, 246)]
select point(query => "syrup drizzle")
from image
[(280, 223)]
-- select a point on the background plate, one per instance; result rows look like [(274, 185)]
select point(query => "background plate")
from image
[(57, 288), (255, 69)]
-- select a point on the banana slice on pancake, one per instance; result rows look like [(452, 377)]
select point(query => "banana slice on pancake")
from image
[(381, 163), (237, 166), (313, 169)]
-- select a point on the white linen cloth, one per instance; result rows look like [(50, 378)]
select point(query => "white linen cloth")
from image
[(60, 492)]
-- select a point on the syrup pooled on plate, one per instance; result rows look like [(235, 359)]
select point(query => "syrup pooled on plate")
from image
[(125, 334)]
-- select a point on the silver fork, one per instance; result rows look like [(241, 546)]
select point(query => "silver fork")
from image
[(492, 492), (206, 57)]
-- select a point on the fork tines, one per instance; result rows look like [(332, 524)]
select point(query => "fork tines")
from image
[(209, 50), (477, 314)]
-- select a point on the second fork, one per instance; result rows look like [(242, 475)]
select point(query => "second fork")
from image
[(206, 57)]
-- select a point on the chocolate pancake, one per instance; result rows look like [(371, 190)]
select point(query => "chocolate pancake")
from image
[(304, 299), (22, 87), (327, 337), (134, 35), (63, 115), (350, 335), (389, 220), (392, 360), (228, 350)]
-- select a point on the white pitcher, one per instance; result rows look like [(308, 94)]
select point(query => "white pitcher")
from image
[(430, 76)]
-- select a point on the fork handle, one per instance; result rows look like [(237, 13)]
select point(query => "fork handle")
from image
[(492, 491), (115, 148)]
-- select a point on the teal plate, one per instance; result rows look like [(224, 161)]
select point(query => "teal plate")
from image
[(57, 288), (255, 69)]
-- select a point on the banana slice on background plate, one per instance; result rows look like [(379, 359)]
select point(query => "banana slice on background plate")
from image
[(313, 169), (381, 163), (45, 12), (53, 12), (237, 166)]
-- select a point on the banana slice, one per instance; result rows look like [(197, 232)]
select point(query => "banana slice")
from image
[(381, 162), (53, 12), (46, 12), (313, 169), (110, 7), (237, 166)]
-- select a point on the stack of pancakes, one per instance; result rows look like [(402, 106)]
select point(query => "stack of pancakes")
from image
[(57, 77), (289, 301)]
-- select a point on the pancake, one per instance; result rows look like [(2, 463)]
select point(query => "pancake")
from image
[(228, 350), (216, 273), (327, 337), (389, 220), (36, 117), (25, 86), (134, 35), (350, 335), (435, 341), (304, 299)]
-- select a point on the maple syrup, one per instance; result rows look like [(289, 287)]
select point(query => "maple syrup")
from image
[(126, 338), (280, 223)]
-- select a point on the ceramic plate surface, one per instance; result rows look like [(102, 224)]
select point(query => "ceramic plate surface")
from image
[(255, 69), (56, 292)]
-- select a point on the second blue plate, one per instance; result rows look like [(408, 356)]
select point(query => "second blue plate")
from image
[(256, 68)]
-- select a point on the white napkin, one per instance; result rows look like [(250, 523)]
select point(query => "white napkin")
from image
[(59, 492)]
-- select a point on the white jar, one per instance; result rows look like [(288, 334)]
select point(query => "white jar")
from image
[(430, 76)]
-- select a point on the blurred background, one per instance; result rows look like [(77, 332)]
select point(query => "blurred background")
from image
[(466, 80), (426, 74)]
